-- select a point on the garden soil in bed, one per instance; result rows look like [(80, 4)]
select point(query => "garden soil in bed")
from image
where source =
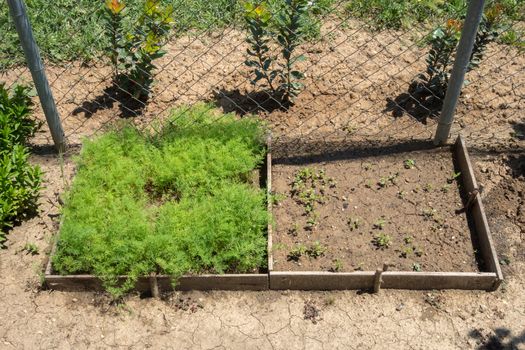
[(416, 209)]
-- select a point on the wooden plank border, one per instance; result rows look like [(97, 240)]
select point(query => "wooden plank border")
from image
[(257, 282), (489, 280), (477, 211)]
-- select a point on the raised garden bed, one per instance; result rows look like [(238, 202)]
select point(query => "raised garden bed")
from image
[(195, 193), (396, 219), (482, 272)]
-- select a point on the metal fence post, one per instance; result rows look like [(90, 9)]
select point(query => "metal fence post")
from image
[(36, 66), (457, 77)]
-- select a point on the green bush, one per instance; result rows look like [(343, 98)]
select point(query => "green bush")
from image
[(180, 201), (19, 181)]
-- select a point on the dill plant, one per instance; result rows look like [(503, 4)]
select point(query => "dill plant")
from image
[(180, 201)]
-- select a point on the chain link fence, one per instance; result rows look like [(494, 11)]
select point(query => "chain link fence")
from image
[(360, 69)]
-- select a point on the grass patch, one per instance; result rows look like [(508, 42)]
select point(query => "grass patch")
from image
[(180, 201)]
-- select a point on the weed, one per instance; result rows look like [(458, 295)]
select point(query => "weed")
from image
[(445, 188), (387, 181), (316, 250), (416, 267), (294, 230), (311, 222), (406, 252), (427, 188), (453, 177), (409, 164), (296, 252), (401, 194), (505, 260), (353, 223), (379, 224), (338, 265), (382, 241), (112, 226), (277, 198), (408, 239), (417, 251), (31, 248), (308, 188)]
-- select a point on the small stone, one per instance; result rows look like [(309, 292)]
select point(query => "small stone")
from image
[(400, 307), (75, 300)]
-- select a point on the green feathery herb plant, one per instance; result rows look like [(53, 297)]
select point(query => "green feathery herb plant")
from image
[(180, 201), (132, 53), (20, 182)]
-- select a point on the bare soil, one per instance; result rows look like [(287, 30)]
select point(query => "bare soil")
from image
[(375, 195), (351, 76)]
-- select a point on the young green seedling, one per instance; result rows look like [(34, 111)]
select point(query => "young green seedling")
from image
[(382, 241), (409, 164)]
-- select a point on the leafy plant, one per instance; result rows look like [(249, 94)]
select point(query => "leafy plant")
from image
[(338, 265), (20, 182), (132, 53), (453, 177), (382, 241), (409, 164), (284, 25), (416, 267), (316, 250), (31, 248), (353, 223), (296, 252), (114, 226), (379, 224)]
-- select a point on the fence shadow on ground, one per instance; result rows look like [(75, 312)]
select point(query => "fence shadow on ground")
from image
[(246, 103), (297, 150), (418, 102), (128, 105), (501, 339)]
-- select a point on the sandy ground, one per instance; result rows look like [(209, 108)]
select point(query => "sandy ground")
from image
[(351, 74)]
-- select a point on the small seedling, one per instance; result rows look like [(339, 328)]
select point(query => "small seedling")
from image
[(316, 250), (379, 224), (406, 252), (353, 223), (312, 221), (279, 246), (368, 184), (338, 265), (382, 241), (408, 239), (454, 177), (296, 252), (294, 230), (387, 181), (429, 213), (427, 188), (367, 166), (416, 267), (505, 260), (276, 198), (445, 188), (31, 248), (418, 252), (401, 194), (409, 164)]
